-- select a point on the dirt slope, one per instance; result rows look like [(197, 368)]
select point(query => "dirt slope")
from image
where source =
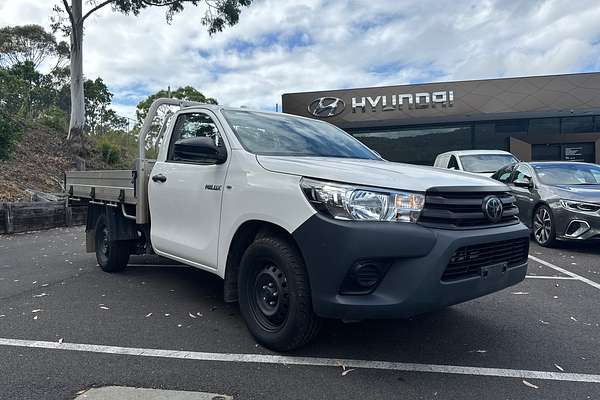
[(38, 163)]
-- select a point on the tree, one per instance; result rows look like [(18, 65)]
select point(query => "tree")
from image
[(30, 44), (218, 15), (97, 99), (183, 93)]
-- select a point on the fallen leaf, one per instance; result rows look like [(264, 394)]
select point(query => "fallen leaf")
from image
[(573, 319), (166, 315), (36, 310), (347, 371), (520, 293), (192, 315), (544, 322), (147, 315), (40, 295), (558, 367), (179, 325), (531, 385), (60, 340), (478, 351), (104, 308), (35, 317)]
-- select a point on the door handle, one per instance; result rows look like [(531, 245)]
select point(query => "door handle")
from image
[(159, 178)]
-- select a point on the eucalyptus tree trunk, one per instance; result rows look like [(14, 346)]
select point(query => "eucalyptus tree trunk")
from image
[(77, 122)]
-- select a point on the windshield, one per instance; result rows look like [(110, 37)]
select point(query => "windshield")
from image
[(280, 134), (568, 174), (486, 163)]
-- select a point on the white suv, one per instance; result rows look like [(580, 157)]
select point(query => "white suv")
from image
[(482, 162)]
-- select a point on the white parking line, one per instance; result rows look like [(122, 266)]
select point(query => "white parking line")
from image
[(310, 361), (564, 271), (566, 278)]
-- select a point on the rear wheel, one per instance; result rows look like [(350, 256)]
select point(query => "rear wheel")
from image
[(112, 255), (544, 231), (274, 295)]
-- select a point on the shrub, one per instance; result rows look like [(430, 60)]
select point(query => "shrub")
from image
[(110, 152), (55, 118)]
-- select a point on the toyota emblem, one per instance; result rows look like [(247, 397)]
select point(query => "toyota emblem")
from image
[(325, 107), (492, 208)]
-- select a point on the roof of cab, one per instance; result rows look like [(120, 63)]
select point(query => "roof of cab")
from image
[(475, 152)]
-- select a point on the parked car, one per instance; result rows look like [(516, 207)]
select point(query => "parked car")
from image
[(302, 221), (482, 162), (557, 200)]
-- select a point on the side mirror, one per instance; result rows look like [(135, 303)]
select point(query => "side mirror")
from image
[(200, 150), (525, 183)]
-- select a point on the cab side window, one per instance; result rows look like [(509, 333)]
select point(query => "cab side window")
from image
[(441, 162), (193, 125)]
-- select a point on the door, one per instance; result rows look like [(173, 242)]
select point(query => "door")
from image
[(526, 196), (185, 195)]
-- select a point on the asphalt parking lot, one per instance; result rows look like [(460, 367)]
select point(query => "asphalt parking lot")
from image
[(66, 326)]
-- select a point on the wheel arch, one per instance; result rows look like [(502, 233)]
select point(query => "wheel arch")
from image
[(242, 238)]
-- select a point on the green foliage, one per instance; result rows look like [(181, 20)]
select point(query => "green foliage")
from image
[(30, 44), (117, 148), (10, 132), (97, 99), (218, 15), (55, 118)]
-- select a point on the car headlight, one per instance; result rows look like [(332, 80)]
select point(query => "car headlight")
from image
[(350, 202), (580, 206)]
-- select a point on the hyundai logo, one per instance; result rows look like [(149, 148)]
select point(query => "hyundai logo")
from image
[(492, 208), (325, 107)]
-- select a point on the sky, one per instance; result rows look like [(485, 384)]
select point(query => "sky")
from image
[(290, 46)]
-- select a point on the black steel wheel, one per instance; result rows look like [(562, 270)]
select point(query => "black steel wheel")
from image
[(274, 295), (112, 255), (271, 301), (544, 231)]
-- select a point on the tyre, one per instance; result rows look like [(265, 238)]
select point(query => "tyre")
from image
[(112, 255), (274, 295), (544, 232)]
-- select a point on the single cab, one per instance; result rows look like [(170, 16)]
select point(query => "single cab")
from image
[(302, 221)]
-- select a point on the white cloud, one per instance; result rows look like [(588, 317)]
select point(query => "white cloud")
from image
[(305, 45)]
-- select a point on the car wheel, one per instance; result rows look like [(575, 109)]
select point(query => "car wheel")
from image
[(112, 255), (274, 295), (544, 232)]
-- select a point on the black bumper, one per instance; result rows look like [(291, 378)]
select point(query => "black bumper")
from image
[(417, 258)]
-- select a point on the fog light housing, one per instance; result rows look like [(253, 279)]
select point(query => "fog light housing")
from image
[(577, 228), (364, 277)]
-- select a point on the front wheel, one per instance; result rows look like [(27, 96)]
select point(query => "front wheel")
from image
[(544, 231), (112, 255), (274, 295)]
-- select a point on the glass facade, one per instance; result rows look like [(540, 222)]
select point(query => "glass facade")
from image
[(421, 144)]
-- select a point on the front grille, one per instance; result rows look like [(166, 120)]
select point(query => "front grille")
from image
[(463, 209), (467, 261)]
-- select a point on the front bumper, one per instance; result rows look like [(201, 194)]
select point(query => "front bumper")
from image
[(417, 256), (565, 218)]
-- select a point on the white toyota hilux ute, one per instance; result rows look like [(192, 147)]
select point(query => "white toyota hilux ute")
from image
[(302, 221)]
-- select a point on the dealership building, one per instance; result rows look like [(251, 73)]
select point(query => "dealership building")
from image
[(536, 118)]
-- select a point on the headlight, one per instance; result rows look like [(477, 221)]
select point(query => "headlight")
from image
[(579, 206), (349, 202)]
